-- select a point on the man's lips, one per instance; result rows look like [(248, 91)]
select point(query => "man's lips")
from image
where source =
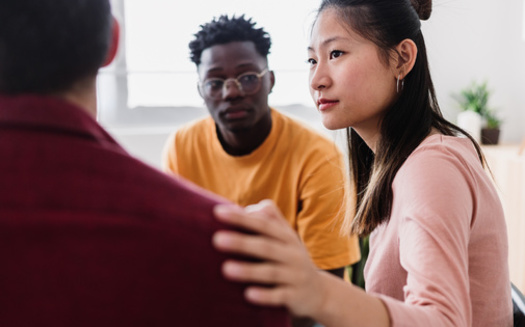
[(324, 104), (235, 113)]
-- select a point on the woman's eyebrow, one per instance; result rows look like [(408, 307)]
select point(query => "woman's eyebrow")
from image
[(327, 41)]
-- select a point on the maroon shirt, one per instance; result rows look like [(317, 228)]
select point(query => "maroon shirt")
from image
[(90, 236)]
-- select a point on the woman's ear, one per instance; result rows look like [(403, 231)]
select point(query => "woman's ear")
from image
[(406, 57), (113, 46)]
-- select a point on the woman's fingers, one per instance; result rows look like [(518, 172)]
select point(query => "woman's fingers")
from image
[(286, 266), (300, 298), (267, 208), (267, 296), (280, 291), (250, 245), (259, 220), (255, 272)]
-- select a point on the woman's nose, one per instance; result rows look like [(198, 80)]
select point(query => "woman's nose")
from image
[(319, 78)]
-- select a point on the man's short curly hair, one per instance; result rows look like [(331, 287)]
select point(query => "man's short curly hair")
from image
[(225, 30)]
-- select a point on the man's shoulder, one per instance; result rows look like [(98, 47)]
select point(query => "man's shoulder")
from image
[(170, 191), (129, 185), (302, 134), (190, 136), (98, 178), (297, 124)]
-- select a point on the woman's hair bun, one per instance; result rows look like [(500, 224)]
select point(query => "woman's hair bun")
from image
[(423, 8)]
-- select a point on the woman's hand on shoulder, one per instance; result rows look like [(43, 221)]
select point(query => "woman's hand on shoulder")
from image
[(285, 270)]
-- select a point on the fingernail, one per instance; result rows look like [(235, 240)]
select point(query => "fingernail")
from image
[(219, 239), (251, 294), (230, 269), (224, 210), (221, 209)]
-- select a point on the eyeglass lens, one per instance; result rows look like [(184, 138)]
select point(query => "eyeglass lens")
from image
[(247, 83)]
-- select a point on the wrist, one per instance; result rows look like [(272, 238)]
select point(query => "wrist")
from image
[(325, 300), (343, 304)]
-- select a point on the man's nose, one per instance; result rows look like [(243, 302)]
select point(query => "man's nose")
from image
[(231, 89)]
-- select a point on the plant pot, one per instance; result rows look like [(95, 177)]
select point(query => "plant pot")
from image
[(470, 122), (490, 136)]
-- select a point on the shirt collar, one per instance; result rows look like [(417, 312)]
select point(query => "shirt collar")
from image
[(30, 111)]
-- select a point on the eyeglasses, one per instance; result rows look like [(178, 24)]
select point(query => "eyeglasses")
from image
[(248, 83)]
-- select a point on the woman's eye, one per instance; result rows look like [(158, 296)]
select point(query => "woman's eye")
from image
[(311, 61), (336, 54)]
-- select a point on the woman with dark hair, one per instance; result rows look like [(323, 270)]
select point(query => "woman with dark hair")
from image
[(438, 243)]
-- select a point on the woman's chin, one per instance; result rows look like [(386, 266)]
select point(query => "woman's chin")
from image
[(333, 125)]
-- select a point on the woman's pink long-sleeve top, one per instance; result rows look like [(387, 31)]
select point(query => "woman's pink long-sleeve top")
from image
[(441, 260)]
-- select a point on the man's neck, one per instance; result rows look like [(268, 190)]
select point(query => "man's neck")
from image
[(244, 142), (84, 95)]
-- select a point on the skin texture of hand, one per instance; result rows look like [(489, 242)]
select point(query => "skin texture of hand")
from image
[(292, 278)]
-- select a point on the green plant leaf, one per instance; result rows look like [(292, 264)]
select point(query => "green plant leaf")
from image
[(475, 97)]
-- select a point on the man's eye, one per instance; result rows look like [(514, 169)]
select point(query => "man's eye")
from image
[(214, 84), (248, 78)]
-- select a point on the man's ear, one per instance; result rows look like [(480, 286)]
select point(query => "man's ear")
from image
[(113, 46), (272, 80), (406, 57), (200, 92)]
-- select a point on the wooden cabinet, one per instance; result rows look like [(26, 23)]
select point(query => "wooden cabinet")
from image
[(508, 168)]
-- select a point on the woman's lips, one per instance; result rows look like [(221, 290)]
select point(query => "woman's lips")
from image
[(324, 104)]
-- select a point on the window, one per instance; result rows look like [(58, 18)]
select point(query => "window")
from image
[(153, 82)]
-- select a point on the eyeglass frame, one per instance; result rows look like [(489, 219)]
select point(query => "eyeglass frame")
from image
[(235, 80)]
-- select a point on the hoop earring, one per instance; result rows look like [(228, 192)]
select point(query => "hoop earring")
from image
[(398, 87)]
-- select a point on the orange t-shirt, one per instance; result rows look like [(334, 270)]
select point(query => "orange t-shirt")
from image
[(302, 171)]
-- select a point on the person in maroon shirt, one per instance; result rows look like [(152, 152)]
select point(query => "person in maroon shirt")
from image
[(90, 236)]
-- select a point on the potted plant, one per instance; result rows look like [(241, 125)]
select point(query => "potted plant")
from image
[(477, 118), (490, 132)]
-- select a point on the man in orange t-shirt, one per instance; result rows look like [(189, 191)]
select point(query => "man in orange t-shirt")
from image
[(246, 151)]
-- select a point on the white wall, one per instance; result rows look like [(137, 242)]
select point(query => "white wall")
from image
[(466, 40), (480, 40), (145, 144)]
